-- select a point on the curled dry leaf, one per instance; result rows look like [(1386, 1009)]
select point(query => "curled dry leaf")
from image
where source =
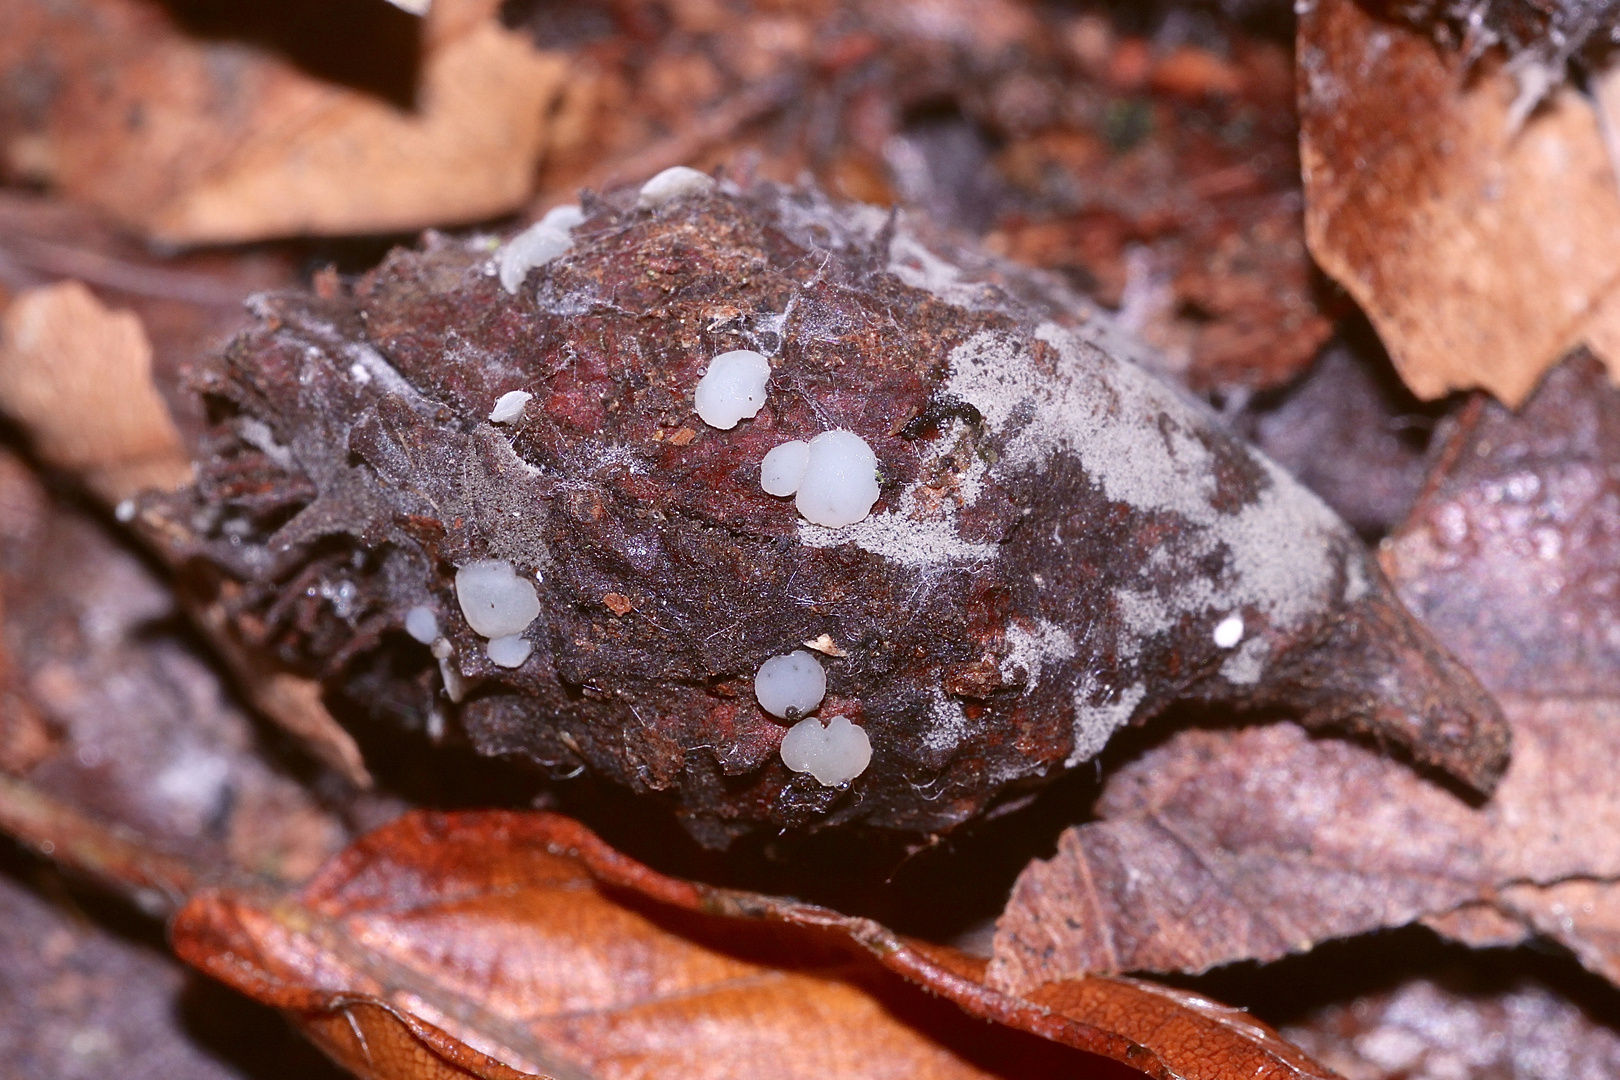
[(1062, 543), (78, 378), (1222, 846), (230, 142), (502, 945), (1480, 252)]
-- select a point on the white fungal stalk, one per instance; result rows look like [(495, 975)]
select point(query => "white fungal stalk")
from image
[(839, 484), (790, 686), (834, 754), (732, 389)]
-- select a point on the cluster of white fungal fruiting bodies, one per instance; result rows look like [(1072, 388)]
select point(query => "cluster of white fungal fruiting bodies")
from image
[(833, 478), (498, 605), (792, 685)]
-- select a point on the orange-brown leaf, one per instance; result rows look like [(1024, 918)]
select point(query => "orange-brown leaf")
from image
[(440, 939), (1481, 253)]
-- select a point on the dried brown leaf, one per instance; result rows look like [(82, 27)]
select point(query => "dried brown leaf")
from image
[(1220, 846), (1480, 252), (525, 936), (234, 143), (78, 378)]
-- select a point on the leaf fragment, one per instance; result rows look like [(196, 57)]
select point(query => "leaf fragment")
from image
[(498, 945), (1481, 253)]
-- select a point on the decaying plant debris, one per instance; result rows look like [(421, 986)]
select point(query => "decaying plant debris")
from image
[(1058, 538), (184, 677)]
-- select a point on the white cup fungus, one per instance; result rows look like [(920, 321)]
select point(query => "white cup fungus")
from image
[(422, 624), (674, 183), (790, 686), (495, 600), (834, 754), (783, 467), (732, 389), (509, 406), (840, 480), (535, 246), (509, 651)]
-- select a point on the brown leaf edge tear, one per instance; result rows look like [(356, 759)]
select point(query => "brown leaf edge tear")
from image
[(428, 858)]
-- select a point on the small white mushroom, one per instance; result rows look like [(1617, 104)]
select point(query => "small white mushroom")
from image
[(564, 218), (783, 467), (509, 651), (535, 246), (494, 599), (1229, 631), (674, 183), (840, 480), (509, 406), (834, 754), (732, 389), (790, 686), (422, 624)]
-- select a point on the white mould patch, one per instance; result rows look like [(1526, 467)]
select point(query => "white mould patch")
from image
[(834, 753), (1244, 667), (947, 723), (912, 262), (1031, 650), (732, 388), (257, 433), (914, 542), (495, 600), (509, 406), (1123, 426), (676, 182), (1094, 725)]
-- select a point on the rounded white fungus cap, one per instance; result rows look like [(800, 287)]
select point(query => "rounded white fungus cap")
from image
[(422, 624), (732, 389), (564, 218), (834, 755), (790, 686), (494, 599), (509, 406), (535, 246), (509, 651), (1229, 631), (783, 467), (674, 183), (840, 480)]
